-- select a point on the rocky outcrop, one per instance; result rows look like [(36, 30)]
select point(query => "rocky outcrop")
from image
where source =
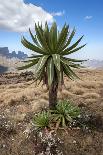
[(4, 51)]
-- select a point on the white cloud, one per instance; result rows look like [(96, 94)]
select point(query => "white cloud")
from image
[(61, 13), (15, 15), (88, 17)]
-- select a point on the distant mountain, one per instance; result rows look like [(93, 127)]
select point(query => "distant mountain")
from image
[(10, 61), (94, 64), (4, 51)]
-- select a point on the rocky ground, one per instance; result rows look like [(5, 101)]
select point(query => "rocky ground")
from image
[(20, 98)]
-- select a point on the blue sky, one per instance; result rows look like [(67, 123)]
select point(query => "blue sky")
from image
[(85, 15)]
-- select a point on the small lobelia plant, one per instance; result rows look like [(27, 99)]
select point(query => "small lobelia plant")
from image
[(42, 120), (64, 113), (51, 62)]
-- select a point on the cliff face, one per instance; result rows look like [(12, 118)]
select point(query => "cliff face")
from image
[(9, 64), (9, 61), (4, 51)]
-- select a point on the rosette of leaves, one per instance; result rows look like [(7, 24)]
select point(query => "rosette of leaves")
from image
[(64, 113), (42, 120)]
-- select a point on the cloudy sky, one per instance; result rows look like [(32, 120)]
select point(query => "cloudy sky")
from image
[(16, 16)]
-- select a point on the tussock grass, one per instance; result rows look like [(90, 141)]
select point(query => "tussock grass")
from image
[(91, 95), (85, 91)]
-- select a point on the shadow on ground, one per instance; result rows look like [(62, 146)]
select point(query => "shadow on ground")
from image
[(3, 69)]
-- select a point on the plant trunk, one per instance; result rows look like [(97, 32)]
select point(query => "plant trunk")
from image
[(53, 94)]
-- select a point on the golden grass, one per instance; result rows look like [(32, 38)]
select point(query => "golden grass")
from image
[(86, 90), (91, 95)]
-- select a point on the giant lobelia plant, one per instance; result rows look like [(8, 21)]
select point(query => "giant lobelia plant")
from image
[(51, 61)]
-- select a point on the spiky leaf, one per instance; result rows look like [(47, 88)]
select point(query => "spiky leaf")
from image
[(50, 70), (66, 52), (41, 63), (56, 59), (69, 39)]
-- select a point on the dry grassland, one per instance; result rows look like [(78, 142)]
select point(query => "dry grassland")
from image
[(18, 102), (87, 91)]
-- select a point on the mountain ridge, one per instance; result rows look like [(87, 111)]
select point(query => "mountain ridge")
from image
[(94, 64), (4, 51)]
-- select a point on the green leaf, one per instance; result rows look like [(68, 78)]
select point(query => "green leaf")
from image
[(65, 61), (72, 51), (70, 39), (41, 38), (53, 36), (34, 38), (39, 34), (73, 46), (73, 73), (67, 72), (41, 63), (31, 46), (56, 59), (70, 63), (62, 37), (74, 60), (47, 36), (35, 56), (26, 66), (69, 118), (31, 60), (39, 75), (50, 71)]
